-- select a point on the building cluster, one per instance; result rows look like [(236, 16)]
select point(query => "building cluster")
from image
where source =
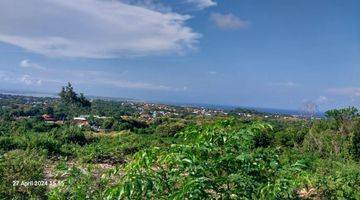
[(150, 111)]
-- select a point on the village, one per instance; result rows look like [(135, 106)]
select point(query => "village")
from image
[(108, 115)]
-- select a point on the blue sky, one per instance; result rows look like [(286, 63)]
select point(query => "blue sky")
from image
[(260, 53)]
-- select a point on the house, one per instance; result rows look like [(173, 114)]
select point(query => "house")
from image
[(49, 118), (81, 121)]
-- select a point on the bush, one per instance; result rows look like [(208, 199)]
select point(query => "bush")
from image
[(290, 137), (8, 143), (216, 163), (44, 141), (73, 135), (327, 142), (43, 127), (169, 129), (335, 180), (263, 139), (144, 130), (17, 168), (355, 144)]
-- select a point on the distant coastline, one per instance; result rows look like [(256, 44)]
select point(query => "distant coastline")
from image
[(231, 107), (203, 105)]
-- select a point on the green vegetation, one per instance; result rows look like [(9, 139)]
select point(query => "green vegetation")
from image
[(69, 97), (122, 153)]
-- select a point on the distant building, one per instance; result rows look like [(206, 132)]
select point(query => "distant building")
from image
[(48, 118), (81, 121)]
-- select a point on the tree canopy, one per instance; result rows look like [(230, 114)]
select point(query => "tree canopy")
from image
[(70, 97)]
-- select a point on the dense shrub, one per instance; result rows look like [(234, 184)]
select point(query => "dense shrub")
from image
[(341, 183), (13, 142), (46, 142), (73, 135), (149, 130), (263, 139), (327, 142), (170, 129), (215, 164), (209, 157), (19, 168), (355, 144), (42, 127), (291, 136)]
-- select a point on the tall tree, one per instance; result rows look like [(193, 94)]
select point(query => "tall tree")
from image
[(70, 97)]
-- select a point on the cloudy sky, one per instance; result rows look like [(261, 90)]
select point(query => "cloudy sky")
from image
[(261, 53)]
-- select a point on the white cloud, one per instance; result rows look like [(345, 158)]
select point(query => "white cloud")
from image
[(202, 4), (27, 64), (162, 6), (133, 85), (346, 91), (101, 78), (5, 76), (94, 77), (28, 80), (13, 78), (322, 100), (93, 28), (228, 21), (212, 72), (149, 4), (285, 84), (58, 78), (114, 80)]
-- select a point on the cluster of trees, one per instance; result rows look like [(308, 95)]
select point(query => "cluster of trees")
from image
[(69, 105), (117, 124), (236, 111)]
